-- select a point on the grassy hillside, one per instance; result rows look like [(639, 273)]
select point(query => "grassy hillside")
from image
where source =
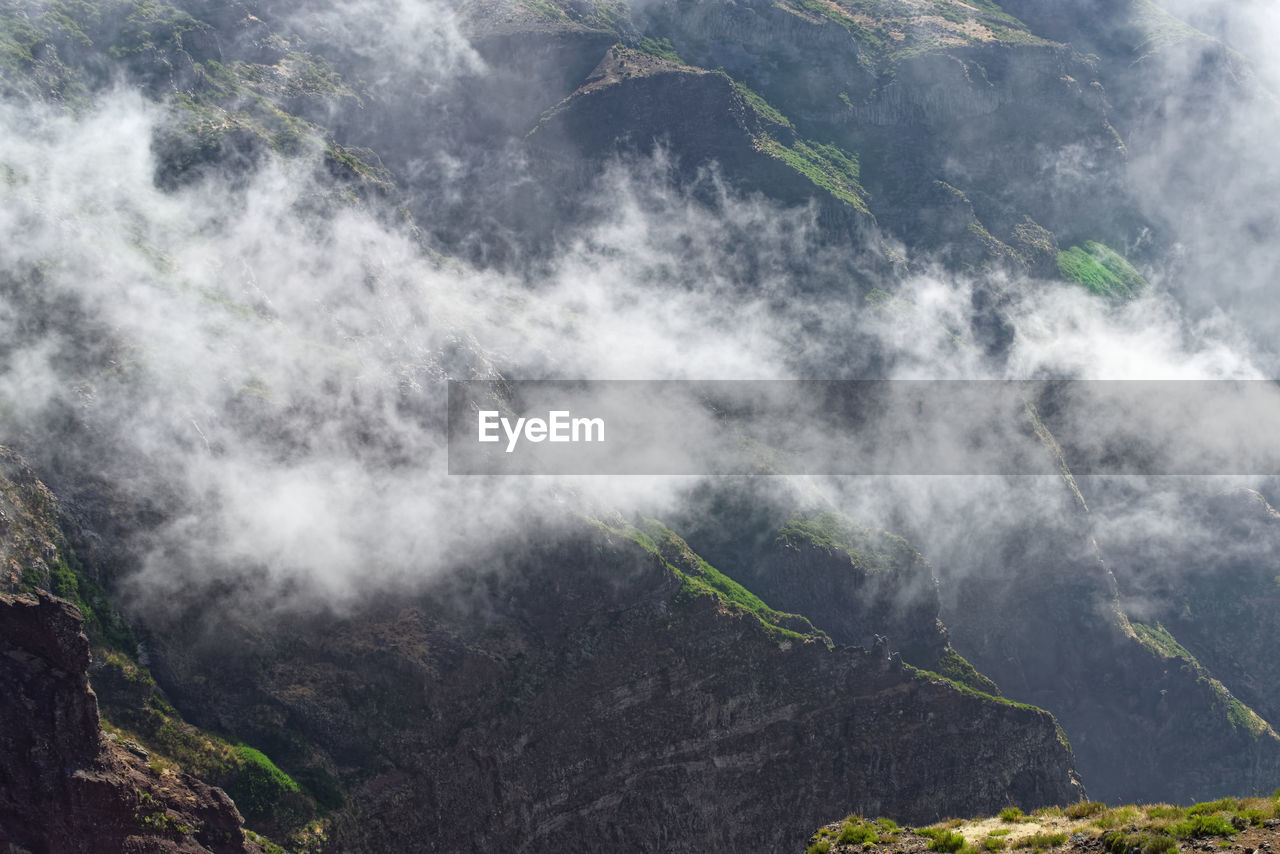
[(1230, 823)]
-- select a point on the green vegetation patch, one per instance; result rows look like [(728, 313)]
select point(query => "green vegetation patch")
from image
[(870, 550), (1004, 701), (834, 12), (1200, 824), (856, 830), (664, 49), (34, 520), (1121, 842), (893, 31), (257, 784), (1244, 718), (941, 839), (699, 578), (827, 166), (102, 623), (1102, 270), (254, 782), (857, 834), (760, 105), (1157, 639)]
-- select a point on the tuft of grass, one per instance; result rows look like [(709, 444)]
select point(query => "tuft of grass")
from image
[(1115, 817), (1119, 842), (1083, 809), (1011, 814), (1226, 805), (857, 834), (1160, 845), (947, 841), (1042, 841)]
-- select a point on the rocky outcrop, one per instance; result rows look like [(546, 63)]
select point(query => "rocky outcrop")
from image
[(66, 788)]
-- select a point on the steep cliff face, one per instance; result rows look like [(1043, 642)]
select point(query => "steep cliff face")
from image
[(1216, 589), (66, 788), (591, 693), (1136, 709)]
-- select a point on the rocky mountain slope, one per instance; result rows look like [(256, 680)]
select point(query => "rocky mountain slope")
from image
[(610, 671)]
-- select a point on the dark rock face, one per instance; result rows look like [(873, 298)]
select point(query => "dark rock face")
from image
[(587, 699), (65, 788)]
